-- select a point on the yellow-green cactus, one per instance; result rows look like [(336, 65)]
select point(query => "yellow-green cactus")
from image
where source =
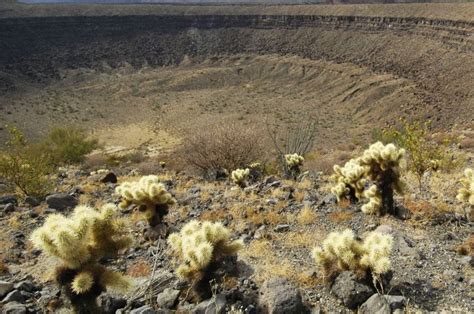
[(294, 163), (150, 194), (80, 242), (240, 176), (379, 165), (466, 193), (342, 251), (200, 247)]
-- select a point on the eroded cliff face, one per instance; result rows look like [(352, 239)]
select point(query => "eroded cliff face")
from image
[(435, 54)]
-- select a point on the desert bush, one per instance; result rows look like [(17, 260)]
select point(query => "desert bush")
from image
[(375, 176), (342, 251), (423, 152), (223, 148), (466, 192), (298, 139), (150, 194), (25, 165), (201, 247), (80, 242), (240, 176), (68, 145)]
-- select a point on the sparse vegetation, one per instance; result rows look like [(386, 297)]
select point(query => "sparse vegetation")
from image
[(26, 165), (423, 152), (81, 242)]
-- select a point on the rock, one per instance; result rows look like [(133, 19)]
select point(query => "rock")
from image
[(14, 296), (109, 177), (9, 208), (8, 199), (33, 202), (215, 305), (25, 285), (401, 244), (14, 308), (5, 288), (48, 211), (61, 201), (282, 228), (328, 200), (279, 296), (110, 304), (382, 304), (167, 299), (351, 291), (146, 309), (402, 212)]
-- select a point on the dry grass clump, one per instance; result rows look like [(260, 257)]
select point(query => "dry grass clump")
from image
[(467, 248), (340, 216), (306, 216)]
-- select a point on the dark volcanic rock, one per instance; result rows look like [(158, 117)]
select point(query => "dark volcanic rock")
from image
[(61, 201), (279, 296), (351, 291)]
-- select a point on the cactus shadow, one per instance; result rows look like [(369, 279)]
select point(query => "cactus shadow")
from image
[(419, 292)]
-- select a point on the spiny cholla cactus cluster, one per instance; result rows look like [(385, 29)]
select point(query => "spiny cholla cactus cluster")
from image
[(466, 193), (294, 162), (200, 247), (342, 251), (80, 242), (150, 194), (380, 165), (240, 176)]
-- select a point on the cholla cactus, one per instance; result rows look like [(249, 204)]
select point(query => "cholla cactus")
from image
[(380, 164), (150, 194), (342, 251), (466, 193), (201, 247), (294, 162), (81, 242), (240, 176)]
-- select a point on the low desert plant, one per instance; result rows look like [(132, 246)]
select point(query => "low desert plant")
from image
[(466, 193), (201, 247), (223, 148), (80, 242), (25, 165), (294, 163), (342, 251), (68, 145), (374, 176), (150, 194), (423, 152), (240, 176)]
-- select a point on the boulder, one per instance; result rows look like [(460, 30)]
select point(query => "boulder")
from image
[(168, 298), (5, 288), (61, 201), (351, 291), (33, 202), (14, 296), (14, 308), (280, 296), (382, 304), (215, 305), (109, 177)]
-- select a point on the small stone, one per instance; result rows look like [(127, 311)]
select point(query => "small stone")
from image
[(215, 305), (8, 199), (14, 308), (109, 177), (146, 309), (61, 201), (351, 291), (5, 288), (282, 228), (280, 296), (33, 202), (167, 299), (14, 296)]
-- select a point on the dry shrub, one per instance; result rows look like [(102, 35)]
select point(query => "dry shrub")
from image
[(326, 162), (467, 248), (467, 143), (223, 147), (306, 216), (340, 216)]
